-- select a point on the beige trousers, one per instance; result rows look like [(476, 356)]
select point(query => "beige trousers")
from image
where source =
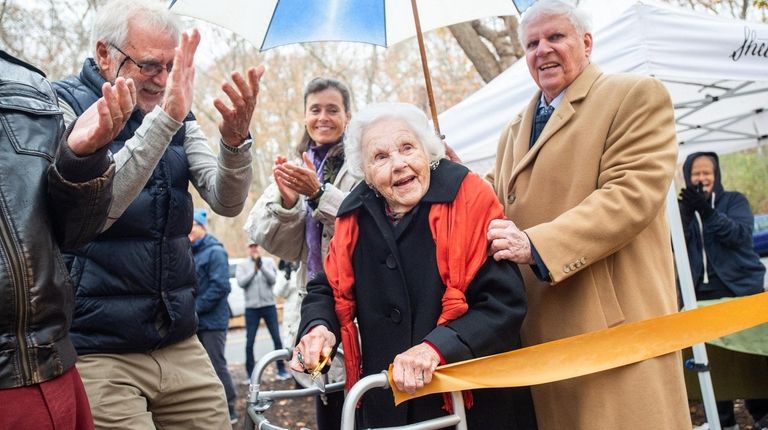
[(172, 388)]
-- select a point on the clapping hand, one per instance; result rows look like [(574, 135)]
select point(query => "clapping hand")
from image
[(103, 120), (178, 93), (694, 198)]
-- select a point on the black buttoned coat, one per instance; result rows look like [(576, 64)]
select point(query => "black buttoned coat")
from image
[(399, 290)]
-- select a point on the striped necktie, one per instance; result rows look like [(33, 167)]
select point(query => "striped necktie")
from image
[(539, 121)]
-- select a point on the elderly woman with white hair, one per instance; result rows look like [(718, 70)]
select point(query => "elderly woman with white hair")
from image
[(409, 263)]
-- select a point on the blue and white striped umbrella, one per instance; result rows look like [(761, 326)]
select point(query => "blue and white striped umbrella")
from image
[(270, 23)]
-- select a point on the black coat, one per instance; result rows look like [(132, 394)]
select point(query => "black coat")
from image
[(398, 291)]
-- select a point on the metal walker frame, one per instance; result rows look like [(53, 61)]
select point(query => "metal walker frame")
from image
[(259, 401)]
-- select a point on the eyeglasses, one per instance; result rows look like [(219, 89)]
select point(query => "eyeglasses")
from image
[(146, 69)]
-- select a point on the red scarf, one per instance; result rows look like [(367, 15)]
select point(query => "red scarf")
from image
[(459, 230)]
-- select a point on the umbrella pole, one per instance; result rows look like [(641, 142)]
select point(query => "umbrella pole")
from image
[(425, 68)]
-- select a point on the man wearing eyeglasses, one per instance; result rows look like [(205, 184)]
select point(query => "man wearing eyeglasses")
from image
[(135, 324)]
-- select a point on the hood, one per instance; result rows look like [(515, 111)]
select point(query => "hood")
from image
[(207, 241), (718, 188)]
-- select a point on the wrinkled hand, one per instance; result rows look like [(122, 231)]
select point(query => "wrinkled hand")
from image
[(103, 120), (451, 154), (236, 119), (695, 198), (319, 341), (509, 243), (298, 179), (178, 89), (413, 369)]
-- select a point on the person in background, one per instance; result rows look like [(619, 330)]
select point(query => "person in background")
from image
[(718, 234), (582, 173), (135, 321), (55, 191), (294, 218), (409, 267), (212, 269), (257, 276), (287, 288)]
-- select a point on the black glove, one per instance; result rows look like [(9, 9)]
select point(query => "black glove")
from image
[(686, 211), (695, 198), (257, 261)]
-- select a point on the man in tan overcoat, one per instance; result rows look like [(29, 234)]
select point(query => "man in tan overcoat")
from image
[(585, 202)]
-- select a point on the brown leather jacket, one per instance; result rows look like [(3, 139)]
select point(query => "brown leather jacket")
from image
[(49, 198)]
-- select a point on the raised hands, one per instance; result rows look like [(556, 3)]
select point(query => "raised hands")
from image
[(103, 120), (178, 89), (236, 119)]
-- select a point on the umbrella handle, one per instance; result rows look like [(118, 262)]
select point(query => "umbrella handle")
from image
[(425, 68)]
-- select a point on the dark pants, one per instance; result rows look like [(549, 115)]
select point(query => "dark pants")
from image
[(253, 317), (214, 342), (328, 408)]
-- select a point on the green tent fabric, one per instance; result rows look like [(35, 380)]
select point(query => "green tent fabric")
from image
[(738, 364)]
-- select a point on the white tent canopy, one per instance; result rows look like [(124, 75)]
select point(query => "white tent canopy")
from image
[(716, 70)]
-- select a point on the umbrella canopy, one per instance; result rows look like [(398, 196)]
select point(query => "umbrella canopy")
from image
[(270, 23)]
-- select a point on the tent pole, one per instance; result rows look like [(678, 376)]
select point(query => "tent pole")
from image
[(425, 68), (689, 302)]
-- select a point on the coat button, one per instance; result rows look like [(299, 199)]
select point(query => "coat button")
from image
[(572, 266), (566, 269), (583, 260), (391, 262), (511, 199), (395, 315)]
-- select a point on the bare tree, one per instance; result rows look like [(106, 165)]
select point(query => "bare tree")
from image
[(490, 48)]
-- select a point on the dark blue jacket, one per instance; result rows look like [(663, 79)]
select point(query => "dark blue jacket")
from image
[(136, 281), (727, 239), (213, 287)]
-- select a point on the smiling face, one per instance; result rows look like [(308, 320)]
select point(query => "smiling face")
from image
[(325, 117), (396, 164), (555, 52), (703, 172), (145, 46)]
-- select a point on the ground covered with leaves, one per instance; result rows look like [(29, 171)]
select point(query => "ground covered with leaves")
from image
[(299, 414), (293, 414)]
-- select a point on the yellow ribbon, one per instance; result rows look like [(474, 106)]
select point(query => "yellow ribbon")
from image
[(596, 351)]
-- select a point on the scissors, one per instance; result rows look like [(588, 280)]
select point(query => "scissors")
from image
[(316, 373)]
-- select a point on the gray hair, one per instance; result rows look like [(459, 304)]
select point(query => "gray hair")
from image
[(579, 18), (408, 113), (111, 24)]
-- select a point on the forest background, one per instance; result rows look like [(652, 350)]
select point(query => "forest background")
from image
[(55, 36)]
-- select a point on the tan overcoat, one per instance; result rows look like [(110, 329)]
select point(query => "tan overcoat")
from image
[(590, 195)]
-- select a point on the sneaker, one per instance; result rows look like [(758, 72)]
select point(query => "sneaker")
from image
[(232, 418), (283, 376)]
